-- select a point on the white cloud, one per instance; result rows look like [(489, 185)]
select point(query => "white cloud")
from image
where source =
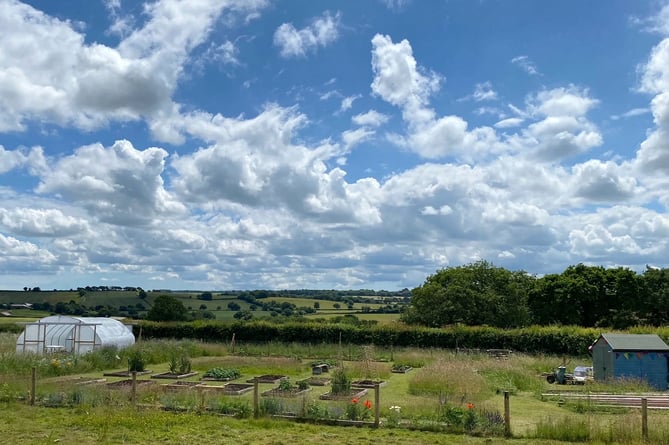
[(357, 136), (321, 32), (482, 92), (372, 118), (631, 113), (69, 82), (41, 222), (118, 184), (509, 122), (347, 102), (526, 65), (397, 79)]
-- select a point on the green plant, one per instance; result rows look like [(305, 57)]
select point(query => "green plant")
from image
[(356, 410), (222, 374), (341, 382), (286, 385), (136, 361), (302, 385)]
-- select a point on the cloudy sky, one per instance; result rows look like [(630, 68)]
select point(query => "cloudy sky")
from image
[(236, 144)]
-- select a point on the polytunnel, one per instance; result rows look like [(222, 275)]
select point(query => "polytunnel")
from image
[(77, 335)]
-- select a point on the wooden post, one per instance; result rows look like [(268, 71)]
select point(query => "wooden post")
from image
[(202, 399), (256, 407), (33, 384), (133, 390), (232, 344), (507, 415), (644, 419), (377, 400)]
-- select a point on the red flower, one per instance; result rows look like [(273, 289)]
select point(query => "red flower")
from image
[(368, 404), (470, 406), (354, 400)]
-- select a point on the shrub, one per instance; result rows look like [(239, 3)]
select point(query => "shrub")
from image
[(341, 382)]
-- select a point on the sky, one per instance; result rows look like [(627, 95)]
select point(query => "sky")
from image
[(257, 144)]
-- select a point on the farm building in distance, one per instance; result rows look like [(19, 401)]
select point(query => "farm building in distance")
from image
[(642, 357), (77, 335)]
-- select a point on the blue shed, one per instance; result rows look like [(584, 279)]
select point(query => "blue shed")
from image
[(632, 356)]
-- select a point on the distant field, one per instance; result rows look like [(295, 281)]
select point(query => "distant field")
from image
[(218, 305)]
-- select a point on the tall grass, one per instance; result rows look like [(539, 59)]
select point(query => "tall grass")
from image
[(449, 379)]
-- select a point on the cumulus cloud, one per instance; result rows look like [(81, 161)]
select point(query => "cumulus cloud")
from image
[(69, 82), (41, 222), (119, 184), (321, 32)]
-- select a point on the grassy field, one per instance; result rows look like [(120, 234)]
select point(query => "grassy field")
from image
[(442, 389), (218, 305)]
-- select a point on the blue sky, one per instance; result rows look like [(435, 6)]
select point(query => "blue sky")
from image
[(218, 144)]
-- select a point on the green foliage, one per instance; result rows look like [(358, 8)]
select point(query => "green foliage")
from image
[(223, 374), (286, 385), (357, 410), (180, 364), (167, 308), (475, 294), (567, 429), (341, 382), (136, 361)]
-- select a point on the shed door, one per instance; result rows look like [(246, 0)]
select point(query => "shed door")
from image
[(601, 358)]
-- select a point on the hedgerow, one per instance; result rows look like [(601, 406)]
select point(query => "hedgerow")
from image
[(535, 339)]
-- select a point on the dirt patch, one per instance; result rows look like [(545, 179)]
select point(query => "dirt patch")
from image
[(267, 378), (367, 383), (276, 392), (128, 383), (169, 375), (317, 381)]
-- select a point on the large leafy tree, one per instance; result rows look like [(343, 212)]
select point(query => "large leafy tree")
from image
[(167, 308), (474, 294)]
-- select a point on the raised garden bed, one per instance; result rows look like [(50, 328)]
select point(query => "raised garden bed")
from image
[(221, 375), (367, 383), (316, 381), (267, 378), (277, 392), (178, 386), (234, 389), (124, 373), (169, 375), (354, 393), (402, 369), (128, 383)]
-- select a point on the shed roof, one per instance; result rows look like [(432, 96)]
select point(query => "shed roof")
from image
[(635, 342)]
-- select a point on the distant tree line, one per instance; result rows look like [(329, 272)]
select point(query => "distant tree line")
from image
[(589, 296)]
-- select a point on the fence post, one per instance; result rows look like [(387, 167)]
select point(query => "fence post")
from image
[(256, 407), (133, 390), (644, 419), (33, 384), (377, 400), (507, 415)]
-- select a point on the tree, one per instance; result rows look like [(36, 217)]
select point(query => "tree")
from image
[(167, 308), (474, 294), (234, 306), (336, 305)]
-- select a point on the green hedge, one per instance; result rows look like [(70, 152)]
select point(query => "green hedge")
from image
[(536, 339)]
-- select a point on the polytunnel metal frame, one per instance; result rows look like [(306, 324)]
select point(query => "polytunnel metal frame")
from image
[(41, 346)]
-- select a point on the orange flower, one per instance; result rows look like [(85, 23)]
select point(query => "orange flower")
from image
[(354, 400), (368, 404), (470, 406)]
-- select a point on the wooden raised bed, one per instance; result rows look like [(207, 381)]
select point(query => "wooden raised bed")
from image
[(276, 392), (230, 389), (317, 381), (354, 393), (169, 375), (127, 383), (267, 378), (125, 373), (370, 384)]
